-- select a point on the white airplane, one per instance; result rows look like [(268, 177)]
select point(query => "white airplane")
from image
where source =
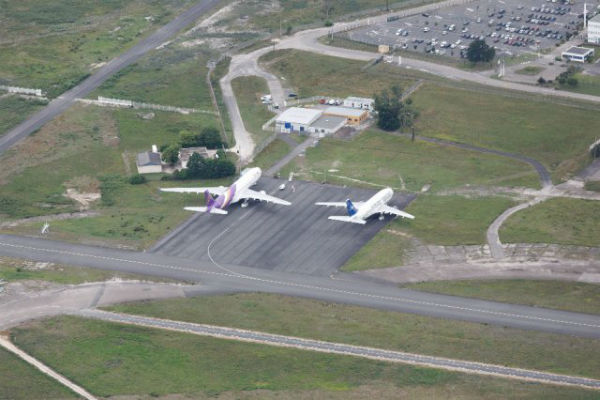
[(360, 211), (239, 190)]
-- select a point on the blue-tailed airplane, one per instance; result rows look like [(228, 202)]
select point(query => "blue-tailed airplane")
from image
[(359, 212), (239, 190)]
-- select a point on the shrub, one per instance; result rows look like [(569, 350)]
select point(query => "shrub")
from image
[(137, 179)]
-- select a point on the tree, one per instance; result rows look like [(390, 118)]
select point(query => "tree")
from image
[(170, 154), (479, 51), (211, 137), (392, 112)]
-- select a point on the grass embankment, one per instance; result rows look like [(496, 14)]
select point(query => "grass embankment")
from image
[(110, 360), (593, 186), (385, 329), (14, 110), (248, 90), (571, 296), (171, 77), (587, 84), (530, 70), (20, 381), (274, 152), (80, 149), (317, 75), (54, 45), (541, 130), (381, 158), (561, 221), (388, 248)]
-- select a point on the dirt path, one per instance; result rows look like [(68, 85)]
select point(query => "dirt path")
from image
[(8, 345)]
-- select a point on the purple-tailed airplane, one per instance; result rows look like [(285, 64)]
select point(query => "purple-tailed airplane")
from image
[(239, 190)]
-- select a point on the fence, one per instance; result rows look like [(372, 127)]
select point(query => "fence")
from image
[(20, 90), (261, 146), (135, 104)]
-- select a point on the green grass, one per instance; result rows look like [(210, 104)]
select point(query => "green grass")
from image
[(14, 109), (18, 270), (220, 71), (452, 220), (386, 249), (274, 152), (385, 159), (170, 77), (571, 296), (53, 45), (20, 381), (593, 186), (560, 220), (248, 90), (318, 75), (539, 130), (384, 329), (110, 360), (530, 70), (587, 84)]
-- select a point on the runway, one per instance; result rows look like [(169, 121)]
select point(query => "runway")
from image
[(345, 288), (298, 238)]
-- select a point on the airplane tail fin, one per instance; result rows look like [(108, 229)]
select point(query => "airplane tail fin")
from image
[(209, 200), (348, 219), (350, 207)]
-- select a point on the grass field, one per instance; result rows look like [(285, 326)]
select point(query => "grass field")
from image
[(105, 358), (248, 90), (572, 296), (275, 151), (561, 220), (593, 186), (588, 84), (20, 381), (54, 45), (386, 249), (14, 110), (452, 220), (391, 330), (385, 159), (318, 75), (530, 70), (172, 77), (536, 129), (78, 150)]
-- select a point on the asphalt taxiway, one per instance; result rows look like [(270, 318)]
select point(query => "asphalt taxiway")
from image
[(298, 238)]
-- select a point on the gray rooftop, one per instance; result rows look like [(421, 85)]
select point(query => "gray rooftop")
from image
[(328, 122), (148, 158), (595, 19), (578, 50)]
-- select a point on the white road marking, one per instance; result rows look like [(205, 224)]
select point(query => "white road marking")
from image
[(312, 287)]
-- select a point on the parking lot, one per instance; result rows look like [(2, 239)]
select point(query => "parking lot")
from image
[(512, 27)]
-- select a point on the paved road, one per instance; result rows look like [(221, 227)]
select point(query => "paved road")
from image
[(346, 289), (341, 348), (63, 102)]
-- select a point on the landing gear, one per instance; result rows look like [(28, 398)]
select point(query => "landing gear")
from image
[(381, 217), (245, 204)]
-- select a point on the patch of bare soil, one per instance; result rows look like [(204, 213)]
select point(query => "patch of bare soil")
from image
[(84, 199)]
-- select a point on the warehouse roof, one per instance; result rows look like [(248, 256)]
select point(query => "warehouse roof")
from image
[(359, 99), (328, 122), (297, 115), (348, 112)]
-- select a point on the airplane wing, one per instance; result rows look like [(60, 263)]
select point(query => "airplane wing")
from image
[(348, 219), (385, 209), (254, 195), (338, 203), (213, 190), (203, 209)]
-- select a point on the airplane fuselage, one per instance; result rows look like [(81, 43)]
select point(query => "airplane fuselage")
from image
[(231, 195), (378, 199)]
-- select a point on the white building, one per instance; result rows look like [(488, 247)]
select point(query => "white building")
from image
[(327, 125), (296, 119), (364, 103), (148, 162), (578, 54), (593, 30)]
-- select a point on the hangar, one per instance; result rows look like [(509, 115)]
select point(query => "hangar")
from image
[(296, 119)]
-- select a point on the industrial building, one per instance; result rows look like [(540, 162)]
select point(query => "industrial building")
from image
[(578, 54), (148, 162), (363, 103), (353, 116), (296, 119), (327, 125), (593, 30)]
